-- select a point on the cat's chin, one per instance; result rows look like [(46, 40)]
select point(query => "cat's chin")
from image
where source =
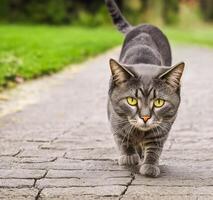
[(144, 128)]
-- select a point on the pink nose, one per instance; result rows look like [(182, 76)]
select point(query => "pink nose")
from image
[(146, 118)]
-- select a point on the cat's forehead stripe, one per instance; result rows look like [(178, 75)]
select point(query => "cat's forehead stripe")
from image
[(149, 91), (146, 92), (136, 93)]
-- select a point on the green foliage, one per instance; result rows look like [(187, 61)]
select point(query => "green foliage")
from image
[(152, 11), (32, 51), (4, 8), (85, 12), (94, 12), (207, 9), (170, 11), (52, 12)]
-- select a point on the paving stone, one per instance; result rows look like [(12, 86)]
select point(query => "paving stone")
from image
[(9, 151), (37, 159), (82, 182), (79, 197), (200, 155), (169, 190), (93, 154), (18, 193), (17, 183), (42, 153), (66, 135), (159, 197), (21, 173), (86, 174), (205, 197), (8, 162), (98, 191), (189, 143), (68, 164)]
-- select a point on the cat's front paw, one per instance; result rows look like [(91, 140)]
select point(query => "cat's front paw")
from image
[(150, 170), (129, 159)]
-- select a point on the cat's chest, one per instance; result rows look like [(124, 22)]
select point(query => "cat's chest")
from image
[(137, 137), (141, 138)]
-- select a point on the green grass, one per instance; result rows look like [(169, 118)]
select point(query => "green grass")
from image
[(191, 29), (32, 51), (202, 36)]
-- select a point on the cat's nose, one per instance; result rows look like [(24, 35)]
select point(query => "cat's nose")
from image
[(145, 118)]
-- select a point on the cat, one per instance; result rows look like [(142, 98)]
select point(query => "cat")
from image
[(144, 93)]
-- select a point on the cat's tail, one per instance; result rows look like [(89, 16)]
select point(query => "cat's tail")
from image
[(117, 17)]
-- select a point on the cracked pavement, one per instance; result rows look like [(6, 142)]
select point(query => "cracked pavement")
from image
[(60, 147)]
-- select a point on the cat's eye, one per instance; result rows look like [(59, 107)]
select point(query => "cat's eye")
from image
[(159, 103), (132, 101)]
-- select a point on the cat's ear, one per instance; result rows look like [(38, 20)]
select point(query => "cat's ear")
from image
[(173, 75), (119, 73)]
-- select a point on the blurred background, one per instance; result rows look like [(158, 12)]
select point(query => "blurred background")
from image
[(93, 12), (41, 37)]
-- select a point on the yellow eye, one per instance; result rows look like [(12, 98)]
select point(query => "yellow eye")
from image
[(159, 103), (132, 101)]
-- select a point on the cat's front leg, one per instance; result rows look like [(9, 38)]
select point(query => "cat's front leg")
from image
[(150, 166), (128, 154), (132, 159)]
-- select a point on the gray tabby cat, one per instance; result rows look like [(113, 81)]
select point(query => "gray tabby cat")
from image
[(144, 93)]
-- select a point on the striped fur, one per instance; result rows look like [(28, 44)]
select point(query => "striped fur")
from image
[(117, 17), (144, 73)]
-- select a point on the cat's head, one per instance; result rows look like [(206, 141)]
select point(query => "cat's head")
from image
[(146, 95)]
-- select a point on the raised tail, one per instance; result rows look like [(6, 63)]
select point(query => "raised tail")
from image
[(117, 17)]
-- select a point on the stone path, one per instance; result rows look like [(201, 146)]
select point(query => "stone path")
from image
[(61, 146)]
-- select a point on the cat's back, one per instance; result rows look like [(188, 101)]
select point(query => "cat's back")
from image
[(147, 38)]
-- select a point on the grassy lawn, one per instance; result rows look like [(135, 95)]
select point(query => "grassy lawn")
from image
[(32, 51), (202, 36)]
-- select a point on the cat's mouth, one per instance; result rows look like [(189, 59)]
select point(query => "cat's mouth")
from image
[(142, 127), (146, 128)]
